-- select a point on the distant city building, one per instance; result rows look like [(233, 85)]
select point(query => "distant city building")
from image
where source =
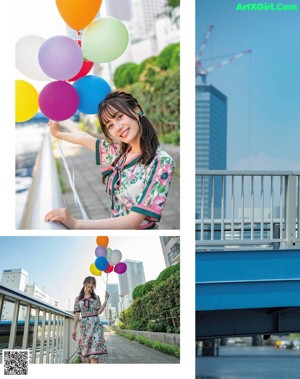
[(18, 279), (211, 145), (171, 249), (113, 301), (121, 9), (133, 277)]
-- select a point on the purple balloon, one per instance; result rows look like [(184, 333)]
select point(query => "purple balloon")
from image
[(120, 268), (58, 100), (60, 57), (101, 263), (101, 251)]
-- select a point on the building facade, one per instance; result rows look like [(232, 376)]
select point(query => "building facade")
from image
[(133, 277), (171, 249), (211, 146)]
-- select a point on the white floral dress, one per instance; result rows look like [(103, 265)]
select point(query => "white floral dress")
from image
[(134, 187), (92, 342)]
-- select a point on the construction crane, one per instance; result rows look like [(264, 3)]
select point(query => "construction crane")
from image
[(203, 72)]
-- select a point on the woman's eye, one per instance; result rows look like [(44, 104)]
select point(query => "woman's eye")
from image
[(120, 116)]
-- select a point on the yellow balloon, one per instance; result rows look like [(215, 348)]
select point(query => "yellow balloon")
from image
[(94, 270), (27, 101)]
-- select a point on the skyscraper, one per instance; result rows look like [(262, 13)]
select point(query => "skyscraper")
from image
[(133, 277), (211, 145), (113, 301), (121, 9)]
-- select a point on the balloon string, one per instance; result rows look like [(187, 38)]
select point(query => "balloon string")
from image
[(71, 182)]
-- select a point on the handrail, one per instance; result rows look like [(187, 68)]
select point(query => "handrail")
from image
[(45, 322), (45, 191), (247, 207)]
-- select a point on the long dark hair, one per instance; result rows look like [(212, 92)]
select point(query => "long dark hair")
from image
[(125, 103), (88, 279)]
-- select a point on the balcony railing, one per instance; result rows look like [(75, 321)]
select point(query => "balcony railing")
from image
[(239, 208), (46, 331)]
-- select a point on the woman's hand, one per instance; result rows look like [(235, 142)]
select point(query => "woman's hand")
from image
[(63, 216), (54, 128), (74, 335), (106, 295)]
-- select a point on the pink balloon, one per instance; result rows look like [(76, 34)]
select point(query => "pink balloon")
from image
[(58, 100), (60, 57), (120, 268), (101, 251)]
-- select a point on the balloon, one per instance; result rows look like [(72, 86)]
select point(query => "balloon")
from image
[(27, 62), (94, 270), (101, 263), (109, 269), (26, 103), (85, 68), (78, 13), (91, 91), (74, 34), (58, 100), (104, 40), (114, 257), (109, 250), (60, 57), (120, 268), (101, 251), (102, 241)]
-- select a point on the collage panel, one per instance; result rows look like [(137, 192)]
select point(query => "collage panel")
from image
[(97, 115), (247, 211), (82, 299)]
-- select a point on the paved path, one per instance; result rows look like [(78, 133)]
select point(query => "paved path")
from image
[(91, 191), (122, 350)]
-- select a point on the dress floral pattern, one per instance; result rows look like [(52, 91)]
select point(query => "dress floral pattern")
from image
[(92, 342), (134, 186)]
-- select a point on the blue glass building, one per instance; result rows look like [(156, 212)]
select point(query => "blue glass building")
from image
[(211, 145)]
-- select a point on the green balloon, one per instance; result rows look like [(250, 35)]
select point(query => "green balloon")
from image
[(104, 40)]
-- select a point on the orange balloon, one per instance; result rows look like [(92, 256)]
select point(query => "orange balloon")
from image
[(102, 241), (78, 13)]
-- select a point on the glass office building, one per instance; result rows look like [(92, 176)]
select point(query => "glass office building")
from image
[(211, 146)]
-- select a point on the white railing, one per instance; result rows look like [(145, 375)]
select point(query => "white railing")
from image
[(46, 331), (247, 208), (45, 191)]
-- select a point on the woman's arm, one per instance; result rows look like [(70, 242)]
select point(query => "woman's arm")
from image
[(131, 221), (79, 138), (101, 309), (76, 319)]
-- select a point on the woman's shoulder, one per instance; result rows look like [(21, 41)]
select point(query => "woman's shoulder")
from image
[(163, 156)]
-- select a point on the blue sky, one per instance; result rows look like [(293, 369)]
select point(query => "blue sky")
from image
[(262, 87), (59, 264)]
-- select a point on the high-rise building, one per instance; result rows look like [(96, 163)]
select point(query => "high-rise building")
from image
[(133, 277), (113, 301), (121, 9), (211, 145), (171, 249)]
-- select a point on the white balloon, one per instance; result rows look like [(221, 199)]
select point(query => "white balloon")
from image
[(27, 62), (114, 257)]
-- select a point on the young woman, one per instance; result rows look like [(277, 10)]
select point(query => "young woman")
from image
[(137, 170), (92, 343)]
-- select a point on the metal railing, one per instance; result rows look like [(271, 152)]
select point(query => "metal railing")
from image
[(247, 208), (45, 191), (46, 331)]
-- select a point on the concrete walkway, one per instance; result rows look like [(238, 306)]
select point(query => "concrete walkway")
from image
[(122, 350), (91, 191)]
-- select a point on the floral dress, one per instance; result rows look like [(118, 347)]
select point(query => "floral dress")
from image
[(92, 342), (132, 186)]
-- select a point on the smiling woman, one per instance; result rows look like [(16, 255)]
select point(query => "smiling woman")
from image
[(137, 170)]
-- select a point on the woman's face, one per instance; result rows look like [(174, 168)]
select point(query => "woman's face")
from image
[(90, 286), (123, 128)]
